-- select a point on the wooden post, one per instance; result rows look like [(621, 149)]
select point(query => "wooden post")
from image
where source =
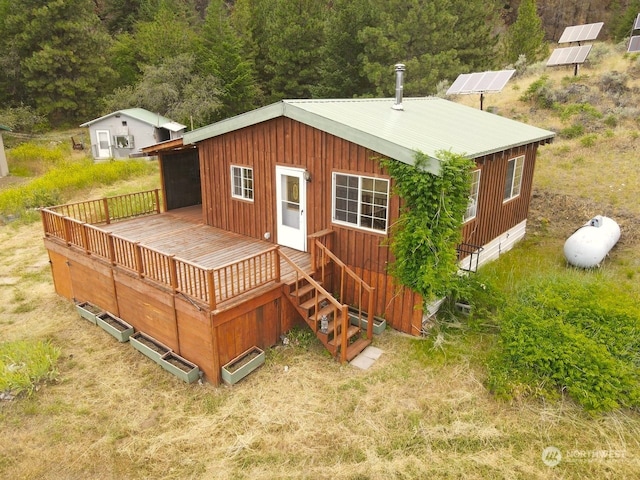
[(212, 290), (313, 255), (112, 250), (85, 240), (343, 333), (67, 233), (138, 257), (105, 203), (173, 273), (156, 191), (370, 313), (276, 254)]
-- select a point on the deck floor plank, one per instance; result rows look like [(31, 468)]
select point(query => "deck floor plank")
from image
[(182, 233)]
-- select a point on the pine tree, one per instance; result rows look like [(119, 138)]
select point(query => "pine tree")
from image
[(341, 70), (220, 54), (56, 51), (526, 35)]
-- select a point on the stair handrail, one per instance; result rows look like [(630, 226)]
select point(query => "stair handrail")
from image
[(342, 308), (312, 281), (324, 250)]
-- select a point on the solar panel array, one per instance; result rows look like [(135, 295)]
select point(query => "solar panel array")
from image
[(634, 41), (481, 82), (569, 55), (581, 33)]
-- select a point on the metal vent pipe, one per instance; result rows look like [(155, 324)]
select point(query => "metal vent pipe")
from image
[(400, 68)]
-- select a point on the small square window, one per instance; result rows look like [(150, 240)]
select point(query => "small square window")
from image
[(242, 182)]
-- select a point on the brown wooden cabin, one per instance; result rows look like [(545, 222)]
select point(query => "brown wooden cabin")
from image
[(281, 216)]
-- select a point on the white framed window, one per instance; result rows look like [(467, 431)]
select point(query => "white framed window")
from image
[(242, 183), (513, 180), (472, 207), (123, 141), (361, 202)]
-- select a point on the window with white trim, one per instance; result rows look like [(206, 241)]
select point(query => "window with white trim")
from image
[(361, 202), (513, 180), (472, 207), (242, 183)]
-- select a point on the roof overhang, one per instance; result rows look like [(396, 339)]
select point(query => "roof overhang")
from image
[(426, 124), (167, 146)]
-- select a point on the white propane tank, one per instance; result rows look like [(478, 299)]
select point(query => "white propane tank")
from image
[(588, 246)]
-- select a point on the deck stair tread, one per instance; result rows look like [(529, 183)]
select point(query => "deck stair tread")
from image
[(326, 310), (357, 347), (351, 331), (302, 291)]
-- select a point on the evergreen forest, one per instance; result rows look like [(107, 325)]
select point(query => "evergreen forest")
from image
[(63, 62)]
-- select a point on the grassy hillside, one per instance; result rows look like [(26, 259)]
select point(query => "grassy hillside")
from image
[(424, 410)]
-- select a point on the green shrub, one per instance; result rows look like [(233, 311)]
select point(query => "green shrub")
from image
[(579, 336), (26, 364), (23, 119), (574, 131), (588, 140), (611, 121), (540, 93), (586, 110)]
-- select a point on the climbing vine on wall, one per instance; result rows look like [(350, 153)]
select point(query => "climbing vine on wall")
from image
[(424, 238)]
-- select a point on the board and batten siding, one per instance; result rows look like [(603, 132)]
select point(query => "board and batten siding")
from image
[(494, 216), (286, 142)]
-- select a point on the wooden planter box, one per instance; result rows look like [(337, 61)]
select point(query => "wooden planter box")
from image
[(114, 326), (180, 367), (379, 324), (88, 311), (148, 346), (242, 365)]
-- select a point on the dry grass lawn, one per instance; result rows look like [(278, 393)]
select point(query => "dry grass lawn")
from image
[(417, 413)]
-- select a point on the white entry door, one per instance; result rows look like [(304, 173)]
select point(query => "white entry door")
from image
[(291, 206), (103, 145)]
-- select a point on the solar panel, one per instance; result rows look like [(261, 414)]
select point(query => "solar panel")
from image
[(481, 82), (636, 25), (634, 44), (581, 33), (569, 55)]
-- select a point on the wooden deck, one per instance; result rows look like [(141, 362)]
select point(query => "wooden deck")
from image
[(182, 233)]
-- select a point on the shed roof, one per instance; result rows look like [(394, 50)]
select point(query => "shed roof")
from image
[(4, 127), (142, 115), (426, 124)]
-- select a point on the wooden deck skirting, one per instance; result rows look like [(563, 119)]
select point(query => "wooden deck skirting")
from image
[(202, 271)]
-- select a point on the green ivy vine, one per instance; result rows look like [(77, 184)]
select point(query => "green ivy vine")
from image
[(424, 239)]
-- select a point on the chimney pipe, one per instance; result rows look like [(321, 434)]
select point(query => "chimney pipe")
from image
[(400, 68)]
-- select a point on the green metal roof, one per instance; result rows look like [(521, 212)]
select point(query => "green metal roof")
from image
[(4, 127), (426, 124), (139, 114)]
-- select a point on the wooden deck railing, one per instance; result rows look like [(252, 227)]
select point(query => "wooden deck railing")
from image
[(107, 210), (350, 285), (212, 286)]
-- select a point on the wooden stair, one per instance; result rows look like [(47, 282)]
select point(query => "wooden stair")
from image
[(315, 304)]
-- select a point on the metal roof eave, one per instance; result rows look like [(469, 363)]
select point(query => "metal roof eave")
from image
[(235, 123), (542, 140)]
